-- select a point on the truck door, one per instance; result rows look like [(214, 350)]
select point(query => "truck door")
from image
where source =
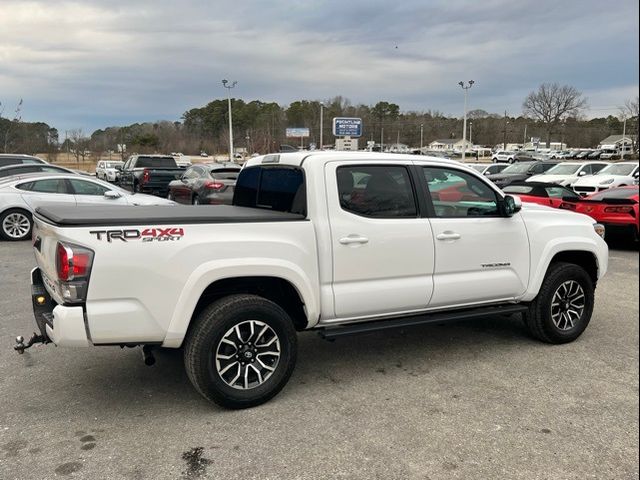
[(383, 252), (481, 256)]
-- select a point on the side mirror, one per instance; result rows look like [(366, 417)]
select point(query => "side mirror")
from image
[(582, 173), (112, 194), (511, 205)]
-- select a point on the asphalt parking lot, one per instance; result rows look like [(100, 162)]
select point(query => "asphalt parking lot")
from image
[(476, 399)]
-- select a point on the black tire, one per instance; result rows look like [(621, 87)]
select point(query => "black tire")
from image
[(136, 187), (195, 200), (539, 317), (170, 197), (511, 160), (25, 219), (204, 339)]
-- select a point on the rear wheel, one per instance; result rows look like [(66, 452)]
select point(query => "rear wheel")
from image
[(195, 200), (15, 224), (240, 351), (171, 197), (562, 310)]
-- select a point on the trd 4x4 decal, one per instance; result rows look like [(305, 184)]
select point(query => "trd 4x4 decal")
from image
[(157, 234)]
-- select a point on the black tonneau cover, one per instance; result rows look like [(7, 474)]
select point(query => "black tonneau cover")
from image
[(108, 216)]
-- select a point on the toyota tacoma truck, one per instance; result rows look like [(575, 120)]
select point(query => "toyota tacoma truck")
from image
[(340, 242)]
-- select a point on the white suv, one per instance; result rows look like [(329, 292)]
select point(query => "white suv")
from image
[(615, 175), (108, 170)]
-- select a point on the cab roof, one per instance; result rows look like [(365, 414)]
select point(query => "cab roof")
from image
[(298, 158)]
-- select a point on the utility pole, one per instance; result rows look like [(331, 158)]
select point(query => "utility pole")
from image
[(421, 136), (624, 134), (524, 137), (504, 139), (381, 139), (321, 119), (464, 124), (229, 85)]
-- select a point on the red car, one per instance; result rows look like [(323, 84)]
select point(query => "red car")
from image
[(549, 194), (615, 208)]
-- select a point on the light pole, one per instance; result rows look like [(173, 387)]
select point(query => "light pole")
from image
[(471, 133), (421, 137), (229, 85), (466, 88), (624, 134), (321, 120)]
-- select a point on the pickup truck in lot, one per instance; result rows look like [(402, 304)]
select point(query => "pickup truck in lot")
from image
[(341, 242), (149, 174)]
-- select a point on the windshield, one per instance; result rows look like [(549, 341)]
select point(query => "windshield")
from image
[(112, 164), (521, 167), (618, 169), (563, 169)]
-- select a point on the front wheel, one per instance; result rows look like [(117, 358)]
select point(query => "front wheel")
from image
[(562, 310), (15, 225), (240, 351)]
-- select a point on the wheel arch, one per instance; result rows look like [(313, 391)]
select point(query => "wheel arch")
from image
[(285, 287)]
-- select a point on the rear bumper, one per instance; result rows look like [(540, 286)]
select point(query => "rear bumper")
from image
[(63, 325)]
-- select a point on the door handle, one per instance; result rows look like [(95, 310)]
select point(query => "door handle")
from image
[(353, 239), (448, 235)]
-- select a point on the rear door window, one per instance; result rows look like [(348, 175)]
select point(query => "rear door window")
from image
[(53, 185), (378, 191)]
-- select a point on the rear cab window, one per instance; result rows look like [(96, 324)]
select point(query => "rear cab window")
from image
[(281, 188), (156, 162)]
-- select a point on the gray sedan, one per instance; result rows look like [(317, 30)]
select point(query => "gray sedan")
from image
[(20, 195)]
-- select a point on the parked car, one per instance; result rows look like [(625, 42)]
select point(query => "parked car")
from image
[(149, 174), (595, 155), (487, 168), (108, 170), (232, 285), (619, 174), (609, 155), (207, 183), (20, 195), (549, 194), (583, 155), (18, 159), (21, 169), (521, 171), (503, 156), (616, 208), (567, 173)]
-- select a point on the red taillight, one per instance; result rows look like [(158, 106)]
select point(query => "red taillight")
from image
[(628, 210), (72, 262), (62, 262), (145, 176), (214, 185)]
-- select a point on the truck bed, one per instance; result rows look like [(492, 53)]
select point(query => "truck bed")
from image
[(159, 215)]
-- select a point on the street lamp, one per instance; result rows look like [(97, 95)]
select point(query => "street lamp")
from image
[(321, 119), (466, 88), (229, 85), (471, 133)]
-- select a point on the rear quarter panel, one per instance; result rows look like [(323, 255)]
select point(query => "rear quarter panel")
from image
[(146, 291)]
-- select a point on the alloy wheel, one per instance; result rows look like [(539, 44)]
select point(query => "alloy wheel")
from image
[(567, 305), (247, 355), (16, 225)]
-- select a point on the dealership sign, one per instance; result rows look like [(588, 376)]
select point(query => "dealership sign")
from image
[(347, 127), (297, 132)]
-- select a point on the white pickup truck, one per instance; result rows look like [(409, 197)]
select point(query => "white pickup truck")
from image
[(336, 241)]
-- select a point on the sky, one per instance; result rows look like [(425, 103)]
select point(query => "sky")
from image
[(100, 63)]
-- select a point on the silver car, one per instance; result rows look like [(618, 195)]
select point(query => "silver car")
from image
[(20, 195)]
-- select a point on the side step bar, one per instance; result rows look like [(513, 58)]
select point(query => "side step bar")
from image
[(332, 333)]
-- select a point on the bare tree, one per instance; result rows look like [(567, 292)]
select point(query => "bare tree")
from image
[(553, 103), (630, 111), (80, 144)]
